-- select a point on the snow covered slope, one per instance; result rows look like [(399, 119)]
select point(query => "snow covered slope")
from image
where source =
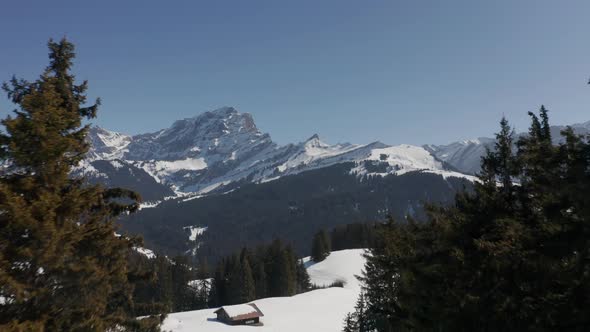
[(320, 310), (106, 145), (342, 265), (465, 156)]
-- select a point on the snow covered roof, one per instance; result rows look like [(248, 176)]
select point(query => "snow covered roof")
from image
[(241, 311)]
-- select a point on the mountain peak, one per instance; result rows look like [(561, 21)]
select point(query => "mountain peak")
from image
[(106, 144), (225, 110), (313, 137), (224, 119), (584, 125), (315, 142), (220, 135)]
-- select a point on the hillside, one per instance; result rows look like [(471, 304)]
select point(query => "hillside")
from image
[(291, 208), (320, 310)]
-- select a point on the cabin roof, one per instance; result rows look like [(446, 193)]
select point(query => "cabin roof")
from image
[(241, 311)]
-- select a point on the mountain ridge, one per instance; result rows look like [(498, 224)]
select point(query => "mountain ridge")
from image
[(217, 149), (465, 155)]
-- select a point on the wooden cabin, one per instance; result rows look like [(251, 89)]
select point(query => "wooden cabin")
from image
[(240, 314)]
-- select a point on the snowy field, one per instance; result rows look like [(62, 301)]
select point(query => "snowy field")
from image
[(320, 310)]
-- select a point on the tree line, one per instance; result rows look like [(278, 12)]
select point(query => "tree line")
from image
[(292, 208), (266, 271), (513, 255), (349, 236), (174, 285), (274, 270)]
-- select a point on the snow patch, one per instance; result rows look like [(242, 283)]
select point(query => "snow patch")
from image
[(406, 158), (190, 198), (146, 252), (341, 265), (195, 232), (190, 164), (149, 205), (117, 164)]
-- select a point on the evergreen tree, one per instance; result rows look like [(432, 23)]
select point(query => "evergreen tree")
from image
[(505, 257), (247, 287), (386, 274), (280, 276), (360, 313), (260, 279), (203, 294), (291, 267), (360, 320), (184, 298), (218, 295), (57, 235), (353, 236), (203, 269), (171, 287), (326, 240), (350, 324), (320, 248), (303, 281), (273, 270), (161, 289), (234, 279)]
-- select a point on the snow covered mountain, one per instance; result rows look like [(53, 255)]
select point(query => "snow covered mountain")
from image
[(106, 145), (582, 126), (465, 156), (221, 149)]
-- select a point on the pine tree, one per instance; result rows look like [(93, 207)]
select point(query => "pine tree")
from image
[(218, 294), (285, 276), (273, 269), (387, 275), (163, 285), (203, 269), (234, 279), (248, 287), (57, 234), (504, 257), (303, 281), (291, 265), (317, 249), (260, 279), (363, 320), (350, 324), (320, 248), (183, 297)]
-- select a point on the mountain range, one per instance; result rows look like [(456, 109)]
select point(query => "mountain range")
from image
[(219, 150), (214, 183), (465, 156)]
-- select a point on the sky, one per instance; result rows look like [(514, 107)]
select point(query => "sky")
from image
[(415, 72)]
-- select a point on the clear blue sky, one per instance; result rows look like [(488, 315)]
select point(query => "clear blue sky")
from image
[(396, 71)]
